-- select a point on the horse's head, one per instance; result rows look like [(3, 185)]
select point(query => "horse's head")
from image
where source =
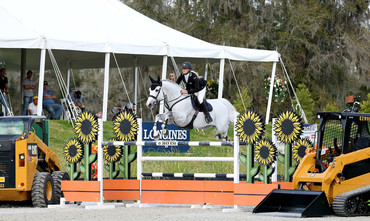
[(155, 92)]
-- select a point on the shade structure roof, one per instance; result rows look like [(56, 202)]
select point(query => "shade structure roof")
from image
[(79, 32)]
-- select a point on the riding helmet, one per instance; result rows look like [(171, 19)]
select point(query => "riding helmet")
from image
[(186, 65)]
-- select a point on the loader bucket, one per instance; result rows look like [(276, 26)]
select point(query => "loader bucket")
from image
[(298, 203)]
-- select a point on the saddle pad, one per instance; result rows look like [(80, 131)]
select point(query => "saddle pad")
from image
[(209, 106)]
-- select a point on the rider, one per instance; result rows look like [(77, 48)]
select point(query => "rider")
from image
[(194, 85)]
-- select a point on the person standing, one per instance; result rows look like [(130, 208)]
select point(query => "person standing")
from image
[(194, 85), (55, 110), (4, 90), (28, 86), (171, 77)]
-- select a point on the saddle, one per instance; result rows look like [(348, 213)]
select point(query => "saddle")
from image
[(196, 105)]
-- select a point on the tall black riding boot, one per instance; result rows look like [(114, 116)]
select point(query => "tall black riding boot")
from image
[(208, 117)]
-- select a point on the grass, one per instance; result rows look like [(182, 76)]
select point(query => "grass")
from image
[(62, 131)]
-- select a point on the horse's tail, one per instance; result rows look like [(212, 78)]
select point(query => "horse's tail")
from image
[(231, 109)]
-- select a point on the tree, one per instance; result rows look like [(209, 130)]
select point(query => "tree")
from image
[(238, 103), (307, 103)]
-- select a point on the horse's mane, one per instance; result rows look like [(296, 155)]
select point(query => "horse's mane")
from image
[(169, 81)]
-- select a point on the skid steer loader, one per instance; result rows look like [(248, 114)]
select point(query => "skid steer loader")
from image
[(29, 169), (335, 179)]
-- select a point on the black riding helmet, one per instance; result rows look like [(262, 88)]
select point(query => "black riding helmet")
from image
[(186, 65)]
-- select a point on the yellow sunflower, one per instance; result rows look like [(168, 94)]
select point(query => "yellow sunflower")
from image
[(87, 127), (265, 152), (73, 151), (250, 126), (112, 153), (300, 148), (288, 126), (125, 126)]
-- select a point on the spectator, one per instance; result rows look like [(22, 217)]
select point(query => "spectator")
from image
[(77, 99), (171, 76), (32, 107), (4, 90), (55, 110), (28, 86)]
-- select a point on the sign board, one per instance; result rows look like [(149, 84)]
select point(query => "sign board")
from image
[(169, 142), (309, 132)]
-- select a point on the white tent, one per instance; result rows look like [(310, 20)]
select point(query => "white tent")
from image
[(83, 34)]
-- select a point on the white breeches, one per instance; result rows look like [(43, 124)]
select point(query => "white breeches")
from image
[(201, 94)]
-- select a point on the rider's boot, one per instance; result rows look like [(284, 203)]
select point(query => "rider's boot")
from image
[(208, 117)]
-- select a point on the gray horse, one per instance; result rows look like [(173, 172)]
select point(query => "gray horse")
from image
[(181, 111)]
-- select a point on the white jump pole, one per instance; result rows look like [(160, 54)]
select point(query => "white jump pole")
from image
[(236, 154), (100, 160), (139, 152)]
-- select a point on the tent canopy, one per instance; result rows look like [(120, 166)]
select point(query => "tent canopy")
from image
[(80, 31)]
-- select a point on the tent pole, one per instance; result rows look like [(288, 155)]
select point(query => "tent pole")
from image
[(136, 86), (164, 76), (68, 79), (41, 81), (106, 86), (270, 93), (206, 70), (23, 74), (221, 78)]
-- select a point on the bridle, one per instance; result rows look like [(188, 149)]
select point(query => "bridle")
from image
[(156, 97), (166, 103)]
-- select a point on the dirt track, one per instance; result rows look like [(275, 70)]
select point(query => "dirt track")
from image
[(146, 213)]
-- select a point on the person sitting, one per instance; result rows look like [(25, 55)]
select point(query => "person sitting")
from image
[(194, 85), (32, 107), (55, 110), (77, 99)]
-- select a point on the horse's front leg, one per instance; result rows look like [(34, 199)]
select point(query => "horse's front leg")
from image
[(168, 116), (158, 117)]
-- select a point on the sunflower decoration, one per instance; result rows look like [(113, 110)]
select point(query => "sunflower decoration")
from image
[(73, 151), (112, 153), (250, 126), (288, 126), (300, 149), (265, 152), (87, 127), (125, 126)]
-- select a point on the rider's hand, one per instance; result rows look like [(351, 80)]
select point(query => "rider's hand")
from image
[(184, 91)]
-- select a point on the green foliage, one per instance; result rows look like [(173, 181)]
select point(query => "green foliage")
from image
[(365, 105), (306, 101), (238, 104), (331, 107)]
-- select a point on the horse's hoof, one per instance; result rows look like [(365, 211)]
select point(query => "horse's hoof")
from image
[(165, 132)]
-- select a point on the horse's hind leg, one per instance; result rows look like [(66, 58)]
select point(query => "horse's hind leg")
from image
[(224, 138)]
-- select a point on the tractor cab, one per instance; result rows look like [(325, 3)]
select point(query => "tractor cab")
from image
[(340, 133)]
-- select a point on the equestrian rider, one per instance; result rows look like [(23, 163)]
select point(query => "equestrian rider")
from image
[(194, 85)]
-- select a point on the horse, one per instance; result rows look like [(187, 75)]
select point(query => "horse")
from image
[(181, 112)]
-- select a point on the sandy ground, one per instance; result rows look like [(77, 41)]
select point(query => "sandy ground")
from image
[(148, 212)]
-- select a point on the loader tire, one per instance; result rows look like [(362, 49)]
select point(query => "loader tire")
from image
[(58, 176), (42, 192)]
